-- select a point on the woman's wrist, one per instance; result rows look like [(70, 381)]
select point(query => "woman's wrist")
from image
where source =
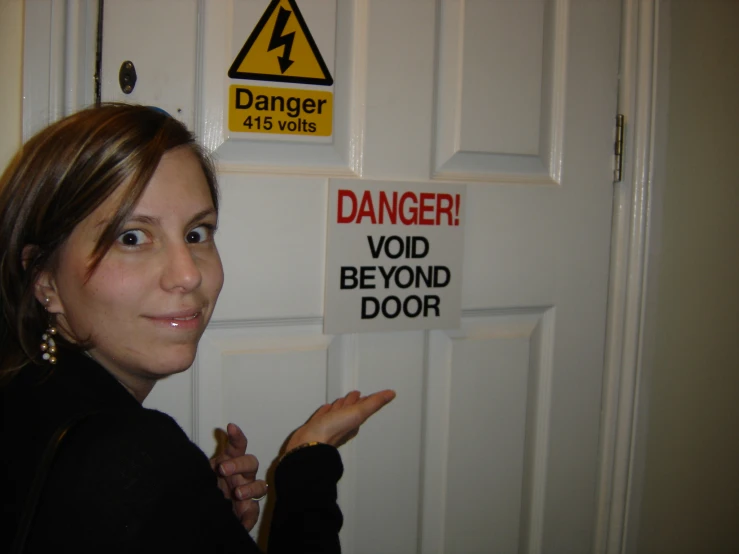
[(301, 446)]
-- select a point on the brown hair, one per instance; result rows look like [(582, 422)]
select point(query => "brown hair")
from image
[(58, 178)]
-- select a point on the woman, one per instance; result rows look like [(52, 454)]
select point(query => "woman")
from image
[(109, 275)]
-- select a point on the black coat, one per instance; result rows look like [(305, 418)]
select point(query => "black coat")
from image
[(128, 479)]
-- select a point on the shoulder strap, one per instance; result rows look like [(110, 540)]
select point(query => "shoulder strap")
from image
[(37, 485)]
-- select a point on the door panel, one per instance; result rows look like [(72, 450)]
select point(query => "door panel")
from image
[(271, 236), (491, 445), (501, 90), (487, 431)]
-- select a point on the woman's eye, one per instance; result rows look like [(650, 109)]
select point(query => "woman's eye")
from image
[(202, 233), (134, 237)]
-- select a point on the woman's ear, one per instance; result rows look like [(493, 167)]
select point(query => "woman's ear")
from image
[(46, 293), (44, 288)]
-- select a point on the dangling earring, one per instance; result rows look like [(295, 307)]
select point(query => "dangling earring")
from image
[(48, 345)]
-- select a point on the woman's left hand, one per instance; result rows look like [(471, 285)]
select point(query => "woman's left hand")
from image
[(339, 422), (237, 477)]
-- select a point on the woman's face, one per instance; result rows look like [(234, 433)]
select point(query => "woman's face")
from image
[(147, 303)]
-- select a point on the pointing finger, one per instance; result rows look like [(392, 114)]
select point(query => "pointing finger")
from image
[(236, 441), (372, 403)]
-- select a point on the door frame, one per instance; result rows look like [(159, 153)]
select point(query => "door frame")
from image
[(634, 242), (61, 45)]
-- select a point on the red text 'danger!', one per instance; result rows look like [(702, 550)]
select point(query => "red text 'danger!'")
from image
[(406, 208)]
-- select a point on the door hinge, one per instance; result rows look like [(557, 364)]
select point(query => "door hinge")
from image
[(619, 148)]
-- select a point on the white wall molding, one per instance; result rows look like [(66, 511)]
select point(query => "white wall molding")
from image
[(629, 243), (59, 44), (343, 377)]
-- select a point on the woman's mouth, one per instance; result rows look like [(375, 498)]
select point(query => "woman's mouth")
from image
[(185, 321), (178, 321)]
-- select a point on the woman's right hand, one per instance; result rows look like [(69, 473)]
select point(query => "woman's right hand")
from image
[(339, 422)]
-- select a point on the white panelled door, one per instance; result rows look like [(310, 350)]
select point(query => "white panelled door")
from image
[(491, 445)]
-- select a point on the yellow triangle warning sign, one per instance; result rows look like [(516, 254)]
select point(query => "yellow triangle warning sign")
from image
[(281, 49)]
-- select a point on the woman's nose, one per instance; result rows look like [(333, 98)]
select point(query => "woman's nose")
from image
[(180, 270)]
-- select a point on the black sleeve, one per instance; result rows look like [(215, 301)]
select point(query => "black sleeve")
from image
[(134, 482), (307, 518)]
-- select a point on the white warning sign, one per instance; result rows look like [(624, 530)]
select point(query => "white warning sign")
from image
[(393, 256)]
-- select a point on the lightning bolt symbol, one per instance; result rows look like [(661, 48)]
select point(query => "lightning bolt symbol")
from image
[(278, 40)]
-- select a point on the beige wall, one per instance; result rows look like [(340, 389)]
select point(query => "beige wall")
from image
[(690, 500), (11, 58)]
